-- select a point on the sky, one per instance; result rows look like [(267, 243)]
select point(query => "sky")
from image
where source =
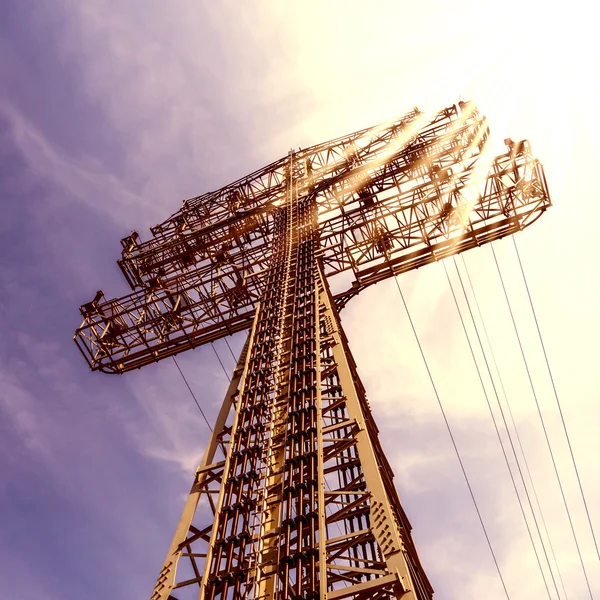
[(112, 113)]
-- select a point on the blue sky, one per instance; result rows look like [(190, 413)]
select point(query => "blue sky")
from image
[(111, 115)]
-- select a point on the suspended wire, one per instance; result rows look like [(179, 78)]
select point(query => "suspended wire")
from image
[(498, 432), (230, 350), (514, 424), (220, 362), (543, 423), (191, 392), (506, 426), (562, 418), (464, 472)]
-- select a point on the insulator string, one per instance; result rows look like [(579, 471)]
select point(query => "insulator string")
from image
[(514, 424), (464, 472), (489, 405), (539, 410), (562, 417)]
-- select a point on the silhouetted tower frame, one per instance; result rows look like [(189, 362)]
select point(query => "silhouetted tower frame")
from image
[(299, 500)]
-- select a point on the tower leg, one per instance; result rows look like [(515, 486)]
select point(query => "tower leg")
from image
[(190, 542), (369, 548)]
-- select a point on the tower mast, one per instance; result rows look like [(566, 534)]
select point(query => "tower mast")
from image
[(294, 497)]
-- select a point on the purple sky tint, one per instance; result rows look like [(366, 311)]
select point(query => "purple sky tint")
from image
[(111, 115)]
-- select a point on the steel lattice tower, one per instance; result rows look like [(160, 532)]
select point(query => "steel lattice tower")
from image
[(298, 497)]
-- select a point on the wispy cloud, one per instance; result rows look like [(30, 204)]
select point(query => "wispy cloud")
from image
[(114, 114)]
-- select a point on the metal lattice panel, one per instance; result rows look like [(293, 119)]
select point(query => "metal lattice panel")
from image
[(306, 507), (302, 504), (389, 199)]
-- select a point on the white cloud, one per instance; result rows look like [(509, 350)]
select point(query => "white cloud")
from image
[(82, 178)]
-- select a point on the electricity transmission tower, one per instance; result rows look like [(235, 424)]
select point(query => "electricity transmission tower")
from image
[(294, 498)]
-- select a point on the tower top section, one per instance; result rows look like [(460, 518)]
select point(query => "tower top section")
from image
[(389, 199)]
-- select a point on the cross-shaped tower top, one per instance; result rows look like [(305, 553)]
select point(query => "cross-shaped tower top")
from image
[(302, 504), (389, 199)]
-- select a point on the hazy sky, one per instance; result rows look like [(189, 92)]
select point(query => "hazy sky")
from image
[(112, 113)]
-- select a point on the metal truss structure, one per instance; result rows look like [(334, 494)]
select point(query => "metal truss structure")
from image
[(294, 497)]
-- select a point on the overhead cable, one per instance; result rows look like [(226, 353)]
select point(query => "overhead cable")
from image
[(514, 424), (464, 472), (539, 410), (230, 350), (191, 392), (498, 433), (220, 361), (562, 418)]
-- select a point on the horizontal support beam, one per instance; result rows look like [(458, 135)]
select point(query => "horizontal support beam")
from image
[(362, 588)]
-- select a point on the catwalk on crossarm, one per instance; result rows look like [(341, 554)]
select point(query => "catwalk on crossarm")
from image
[(300, 499)]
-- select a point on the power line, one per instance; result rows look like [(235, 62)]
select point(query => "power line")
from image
[(190, 389), (451, 437), (230, 350), (562, 418), (498, 431), (220, 362), (191, 392), (514, 424), (542, 422)]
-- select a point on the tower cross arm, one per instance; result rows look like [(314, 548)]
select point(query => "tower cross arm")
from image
[(389, 199)]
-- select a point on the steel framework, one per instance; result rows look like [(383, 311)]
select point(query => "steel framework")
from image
[(300, 502)]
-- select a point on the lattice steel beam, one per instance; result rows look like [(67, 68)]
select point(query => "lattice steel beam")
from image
[(306, 507), (389, 199), (302, 504)]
